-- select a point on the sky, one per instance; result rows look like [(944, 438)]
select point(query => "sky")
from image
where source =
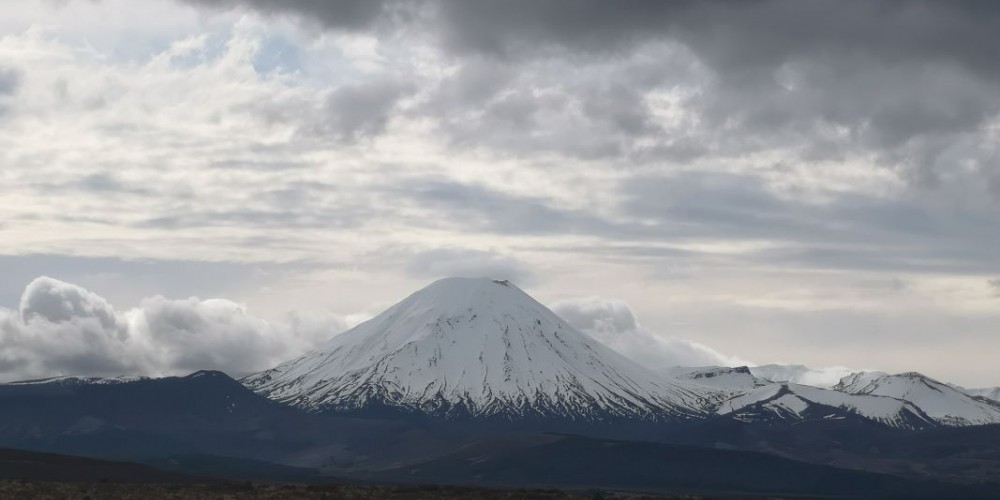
[(190, 184)]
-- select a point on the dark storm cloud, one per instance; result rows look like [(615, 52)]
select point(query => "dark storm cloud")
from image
[(741, 35), (913, 83), (901, 79), (334, 14)]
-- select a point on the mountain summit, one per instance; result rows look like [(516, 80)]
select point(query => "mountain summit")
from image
[(477, 348)]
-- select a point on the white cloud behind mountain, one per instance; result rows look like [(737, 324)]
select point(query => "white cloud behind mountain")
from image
[(63, 329), (612, 323)]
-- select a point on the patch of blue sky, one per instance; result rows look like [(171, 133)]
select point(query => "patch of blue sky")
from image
[(278, 54)]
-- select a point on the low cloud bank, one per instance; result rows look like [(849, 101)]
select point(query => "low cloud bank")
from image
[(63, 329)]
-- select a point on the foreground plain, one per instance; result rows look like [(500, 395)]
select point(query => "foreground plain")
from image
[(32, 490)]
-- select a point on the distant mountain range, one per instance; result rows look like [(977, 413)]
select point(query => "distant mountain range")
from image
[(477, 364), (478, 348)]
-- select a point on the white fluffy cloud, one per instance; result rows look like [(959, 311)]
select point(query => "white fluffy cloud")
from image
[(613, 323), (63, 329)]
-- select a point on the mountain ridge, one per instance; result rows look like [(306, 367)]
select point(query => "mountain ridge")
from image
[(942, 402)]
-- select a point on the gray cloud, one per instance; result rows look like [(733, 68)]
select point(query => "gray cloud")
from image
[(257, 217), (531, 107), (852, 231), (296, 204), (100, 183), (60, 328), (361, 111), (191, 334), (480, 207), (10, 80), (739, 35), (107, 183), (57, 302), (63, 329), (902, 80), (995, 285)]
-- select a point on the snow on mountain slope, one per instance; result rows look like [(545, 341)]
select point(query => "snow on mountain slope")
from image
[(801, 402), (992, 393), (481, 348), (943, 403), (736, 379)]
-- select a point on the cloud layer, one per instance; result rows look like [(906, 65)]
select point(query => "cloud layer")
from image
[(913, 83), (765, 176), (63, 329)]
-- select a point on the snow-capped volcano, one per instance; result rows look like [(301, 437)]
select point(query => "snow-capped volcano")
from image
[(943, 403), (481, 348)]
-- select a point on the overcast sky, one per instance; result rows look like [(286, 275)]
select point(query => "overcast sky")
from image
[(795, 181)]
